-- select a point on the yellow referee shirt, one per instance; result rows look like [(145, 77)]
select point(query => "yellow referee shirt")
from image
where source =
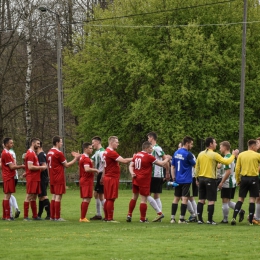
[(206, 164), (247, 164)]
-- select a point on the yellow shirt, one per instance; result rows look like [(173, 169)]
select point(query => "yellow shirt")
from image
[(247, 164), (206, 164)]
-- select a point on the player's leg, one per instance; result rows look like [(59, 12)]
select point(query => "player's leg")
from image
[(185, 194), (84, 209), (97, 190), (15, 206), (33, 205), (58, 198), (156, 189), (52, 206), (253, 193), (257, 205), (143, 209), (158, 192), (202, 198), (6, 205), (176, 199), (211, 197), (132, 202), (225, 196), (26, 206)]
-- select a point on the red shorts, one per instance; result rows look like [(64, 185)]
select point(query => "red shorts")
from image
[(33, 187), (144, 191), (110, 187), (86, 189), (58, 189), (9, 186)]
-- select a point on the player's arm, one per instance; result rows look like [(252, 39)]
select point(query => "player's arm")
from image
[(219, 165), (131, 169), (173, 172), (237, 171), (89, 169), (226, 176), (167, 167), (32, 167), (13, 166), (124, 160), (102, 176), (225, 161)]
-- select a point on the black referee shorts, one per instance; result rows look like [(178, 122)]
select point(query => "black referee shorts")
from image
[(207, 189), (249, 184)]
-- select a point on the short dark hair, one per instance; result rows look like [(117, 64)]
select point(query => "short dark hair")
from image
[(187, 139), (209, 140), (251, 142), (55, 139), (96, 138), (153, 135), (41, 144), (226, 144), (146, 145), (6, 140), (86, 145), (34, 139)]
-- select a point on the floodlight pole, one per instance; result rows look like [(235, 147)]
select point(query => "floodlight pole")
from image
[(242, 86)]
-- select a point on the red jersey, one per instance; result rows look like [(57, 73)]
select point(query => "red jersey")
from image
[(32, 158), (6, 159), (55, 160), (112, 168), (83, 175), (143, 163)]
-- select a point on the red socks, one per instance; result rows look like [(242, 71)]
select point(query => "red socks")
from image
[(34, 208), (6, 209), (25, 209), (57, 209), (84, 209), (110, 209), (132, 204), (52, 215), (143, 209), (105, 209)]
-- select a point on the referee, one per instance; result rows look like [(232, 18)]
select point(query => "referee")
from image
[(247, 177)]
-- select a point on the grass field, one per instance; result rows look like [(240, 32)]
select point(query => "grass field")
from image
[(98, 240)]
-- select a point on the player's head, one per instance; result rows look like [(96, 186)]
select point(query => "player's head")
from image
[(96, 142), (35, 143), (8, 142), (258, 143), (224, 147), (87, 148), (113, 142), (252, 145), (187, 142), (152, 136), (57, 141), (211, 143), (147, 147)]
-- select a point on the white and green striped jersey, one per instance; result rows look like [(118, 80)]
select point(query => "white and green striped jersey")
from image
[(158, 153), (98, 159), (231, 181)]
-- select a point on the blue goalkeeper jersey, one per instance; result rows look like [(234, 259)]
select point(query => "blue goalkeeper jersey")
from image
[(183, 161)]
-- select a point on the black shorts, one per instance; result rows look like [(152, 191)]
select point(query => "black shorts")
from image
[(194, 188), (44, 186), (156, 185), (98, 187), (228, 193), (183, 190), (251, 184), (259, 184), (207, 189)]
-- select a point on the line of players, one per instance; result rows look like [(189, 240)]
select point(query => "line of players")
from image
[(150, 160)]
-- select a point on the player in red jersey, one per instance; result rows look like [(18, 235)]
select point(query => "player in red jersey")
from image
[(110, 176), (86, 180), (33, 179), (8, 172), (140, 169), (56, 163)]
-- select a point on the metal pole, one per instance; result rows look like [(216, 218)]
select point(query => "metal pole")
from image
[(60, 87), (242, 87)]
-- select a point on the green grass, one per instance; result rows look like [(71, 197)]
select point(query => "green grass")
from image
[(98, 240)]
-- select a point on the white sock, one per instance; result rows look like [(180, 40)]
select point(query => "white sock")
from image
[(232, 204), (225, 210), (11, 206), (103, 202), (159, 203), (257, 211), (190, 208), (153, 203), (194, 205), (14, 202), (98, 204)]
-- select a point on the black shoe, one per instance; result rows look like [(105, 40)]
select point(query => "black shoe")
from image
[(241, 215), (128, 218), (233, 222), (211, 222), (224, 222), (17, 213), (201, 222), (37, 218), (144, 221), (47, 218)]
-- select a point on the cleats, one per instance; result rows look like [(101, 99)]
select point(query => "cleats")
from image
[(37, 218), (173, 221), (128, 219), (47, 218), (158, 217), (96, 217), (200, 222), (112, 221), (52, 219), (26, 219), (241, 215), (192, 219), (211, 222), (17, 213), (182, 221), (224, 222), (255, 222), (60, 219), (144, 221), (233, 222), (84, 220)]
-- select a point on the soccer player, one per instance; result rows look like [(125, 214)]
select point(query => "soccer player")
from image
[(157, 177), (8, 172), (140, 169), (33, 179), (206, 174), (228, 184), (44, 202), (86, 180), (247, 171), (99, 164), (182, 164), (56, 162), (110, 176)]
